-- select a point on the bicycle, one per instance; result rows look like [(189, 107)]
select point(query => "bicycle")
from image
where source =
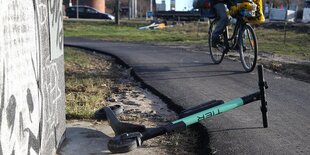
[(243, 39)]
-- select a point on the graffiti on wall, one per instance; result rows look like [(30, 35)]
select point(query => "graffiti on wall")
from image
[(56, 28), (50, 115), (29, 81)]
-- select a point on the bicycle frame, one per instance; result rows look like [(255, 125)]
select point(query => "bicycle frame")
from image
[(234, 37), (129, 135)]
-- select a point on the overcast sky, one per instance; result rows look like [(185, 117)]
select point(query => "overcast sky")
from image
[(181, 5)]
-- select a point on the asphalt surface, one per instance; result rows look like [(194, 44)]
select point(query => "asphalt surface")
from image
[(190, 78)]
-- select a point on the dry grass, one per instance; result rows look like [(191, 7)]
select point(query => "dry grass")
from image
[(90, 81)]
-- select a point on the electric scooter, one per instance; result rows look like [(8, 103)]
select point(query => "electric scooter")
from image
[(130, 136)]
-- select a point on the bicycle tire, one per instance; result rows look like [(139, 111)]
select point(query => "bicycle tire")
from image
[(217, 54), (247, 48)]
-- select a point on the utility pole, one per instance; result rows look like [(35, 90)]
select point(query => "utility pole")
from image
[(77, 9), (129, 9), (136, 9), (132, 9), (151, 5), (117, 13)]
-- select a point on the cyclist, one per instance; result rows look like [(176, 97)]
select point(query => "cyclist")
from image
[(220, 9)]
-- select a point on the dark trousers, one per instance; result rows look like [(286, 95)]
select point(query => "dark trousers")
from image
[(220, 10)]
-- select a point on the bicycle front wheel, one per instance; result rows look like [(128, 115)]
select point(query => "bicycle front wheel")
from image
[(217, 53), (248, 48)]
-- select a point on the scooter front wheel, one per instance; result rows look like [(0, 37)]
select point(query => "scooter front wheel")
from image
[(125, 142)]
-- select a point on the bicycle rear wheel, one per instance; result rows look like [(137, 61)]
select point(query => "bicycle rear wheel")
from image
[(248, 48), (217, 53)]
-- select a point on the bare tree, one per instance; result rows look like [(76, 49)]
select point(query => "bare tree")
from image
[(143, 7), (278, 3)]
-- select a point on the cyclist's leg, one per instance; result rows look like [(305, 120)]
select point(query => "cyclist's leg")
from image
[(222, 22)]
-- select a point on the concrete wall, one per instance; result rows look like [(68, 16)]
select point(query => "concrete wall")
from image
[(277, 14), (32, 116), (306, 15), (282, 14)]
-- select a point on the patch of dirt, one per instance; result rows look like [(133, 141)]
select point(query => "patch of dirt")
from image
[(288, 66), (142, 107)]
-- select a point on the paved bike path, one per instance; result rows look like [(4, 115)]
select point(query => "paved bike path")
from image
[(189, 78)]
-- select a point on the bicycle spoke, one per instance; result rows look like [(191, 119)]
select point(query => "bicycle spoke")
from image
[(251, 41), (248, 49)]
